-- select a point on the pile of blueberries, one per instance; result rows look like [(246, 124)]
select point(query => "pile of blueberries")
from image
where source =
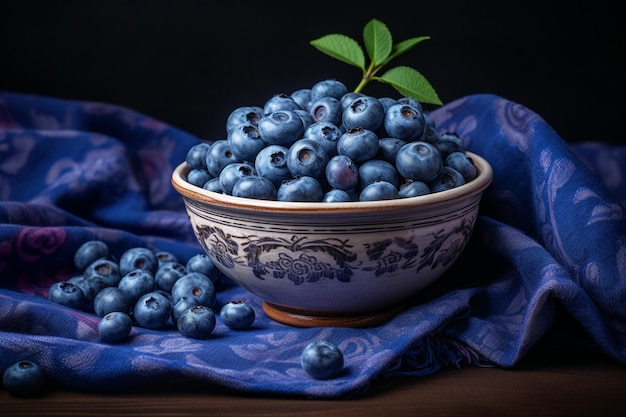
[(327, 144), (148, 289)]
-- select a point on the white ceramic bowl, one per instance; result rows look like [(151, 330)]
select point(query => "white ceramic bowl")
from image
[(339, 264)]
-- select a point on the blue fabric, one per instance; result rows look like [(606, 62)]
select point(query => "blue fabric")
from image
[(551, 236)]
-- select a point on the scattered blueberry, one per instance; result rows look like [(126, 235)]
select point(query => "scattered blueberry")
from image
[(114, 326), (23, 379), (89, 252), (153, 310), (322, 359), (237, 315), (67, 294), (196, 322)]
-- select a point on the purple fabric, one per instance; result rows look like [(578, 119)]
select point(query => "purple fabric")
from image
[(551, 236)]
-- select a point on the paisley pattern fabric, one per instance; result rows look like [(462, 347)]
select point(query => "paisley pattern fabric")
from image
[(549, 245)]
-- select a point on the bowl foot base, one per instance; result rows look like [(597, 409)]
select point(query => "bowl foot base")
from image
[(302, 318)]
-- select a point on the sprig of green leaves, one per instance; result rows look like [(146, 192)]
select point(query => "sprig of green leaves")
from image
[(380, 50)]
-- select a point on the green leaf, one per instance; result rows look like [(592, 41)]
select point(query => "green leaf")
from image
[(409, 82), (341, 47), (405, 46), (378, 41)]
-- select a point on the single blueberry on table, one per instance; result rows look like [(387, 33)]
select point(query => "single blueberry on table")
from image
[(237, 315), (138, 258), (115, 326), (322, 359), (68, 294), (111, 299), (137, 283), (23, 379), (106, 270), (167, 274), (89, 252), (197, 322), (197, 286), (153, 310)]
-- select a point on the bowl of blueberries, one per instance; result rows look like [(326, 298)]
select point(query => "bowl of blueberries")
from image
[(333, 207)]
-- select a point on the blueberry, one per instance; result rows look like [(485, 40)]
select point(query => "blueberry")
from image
[(105, 270), (271, 163), (203, 264), (326, 133), (181, 305), (328, 88), (388, 149), (196, 156), (23, 379), (245, 141), (232, 173), (303, 98), (165, 257), (322, 359), (305, 116), (342, 173), (327, 109), (359, 144), (411, 102), (115, 326), (374, 170), (237, 315), (198, 177), (153, 310), (137, 283), (419, 161), (282, 127), (337, 196), (303, 188), (255, 187), (167, 274), (411, 188), (387, 102), (218, 156), (462, 163), (195, 285), (68, 294), (364, 112), (111, 299), (307, 157), (448, 142), (90, 251), (280, 102), (90, 287), (244, 114), (348, 98), (213, 185), (447, 179), (138, 258), (196, 322), (381, 190), (404, 122)]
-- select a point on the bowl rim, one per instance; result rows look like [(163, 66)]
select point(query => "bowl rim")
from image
[(483, 179)]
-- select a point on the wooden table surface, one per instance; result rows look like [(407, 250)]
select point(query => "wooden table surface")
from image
[(565, 382)]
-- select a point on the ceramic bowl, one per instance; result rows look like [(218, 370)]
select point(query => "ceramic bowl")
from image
[(337, 264)]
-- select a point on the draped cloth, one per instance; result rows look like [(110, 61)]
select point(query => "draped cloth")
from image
[(549, 245)]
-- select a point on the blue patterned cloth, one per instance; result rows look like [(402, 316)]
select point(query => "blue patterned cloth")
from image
[(551, 236)]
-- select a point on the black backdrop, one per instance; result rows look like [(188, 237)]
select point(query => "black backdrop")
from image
[(189, 63)]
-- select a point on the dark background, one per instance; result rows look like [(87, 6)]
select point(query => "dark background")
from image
[(189, 63)]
